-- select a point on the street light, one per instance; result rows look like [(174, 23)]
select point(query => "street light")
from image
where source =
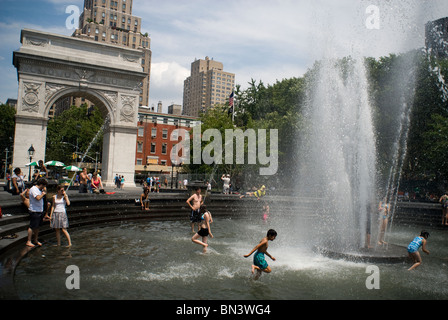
[(31, 154), (6, 161)]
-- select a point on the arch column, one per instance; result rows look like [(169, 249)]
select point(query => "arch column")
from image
[(29, 131), (118, 144)]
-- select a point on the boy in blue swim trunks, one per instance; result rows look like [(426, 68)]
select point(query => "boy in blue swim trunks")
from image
[(414, 246), (260, 263)]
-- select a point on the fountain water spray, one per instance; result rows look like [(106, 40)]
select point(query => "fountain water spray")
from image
[(105, 124), (338, 161)]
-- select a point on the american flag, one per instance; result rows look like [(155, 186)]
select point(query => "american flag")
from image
[(231, 100)]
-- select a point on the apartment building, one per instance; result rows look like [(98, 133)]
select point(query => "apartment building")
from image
[(112, 22), (207, 86)]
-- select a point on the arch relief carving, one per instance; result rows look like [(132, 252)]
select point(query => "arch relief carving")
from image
[(30, 99), (127, 112)]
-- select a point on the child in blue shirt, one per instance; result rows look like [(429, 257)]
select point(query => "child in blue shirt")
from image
[(414, 246)]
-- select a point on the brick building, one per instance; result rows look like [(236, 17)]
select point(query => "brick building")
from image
[(154, 145)]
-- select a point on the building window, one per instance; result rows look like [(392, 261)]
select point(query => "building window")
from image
[(165, 134), (164, 147), (139, 162), (153, 147), (153, 133), (141, 131), (139, 147)]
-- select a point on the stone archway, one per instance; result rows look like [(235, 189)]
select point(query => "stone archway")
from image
[(50, 67)]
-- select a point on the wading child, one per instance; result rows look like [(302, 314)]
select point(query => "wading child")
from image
[(414, 246), (260, 263), (58, 215), (205, 230)]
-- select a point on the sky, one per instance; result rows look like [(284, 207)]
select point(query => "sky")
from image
[(264, 40)]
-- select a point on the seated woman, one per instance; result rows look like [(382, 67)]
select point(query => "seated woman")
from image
[(17, 182), (43, 173), (96, 185)]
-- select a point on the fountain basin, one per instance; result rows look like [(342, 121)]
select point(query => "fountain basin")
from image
[(390, 253)]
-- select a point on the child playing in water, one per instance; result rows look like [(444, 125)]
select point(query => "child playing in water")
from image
[(414, 246), (204, 228), (260, 263)]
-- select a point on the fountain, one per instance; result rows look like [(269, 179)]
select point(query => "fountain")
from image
[(338, 154), (334, 211)]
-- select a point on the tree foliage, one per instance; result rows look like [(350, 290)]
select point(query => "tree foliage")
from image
[(410, 79), (7, 126), (74, 130)]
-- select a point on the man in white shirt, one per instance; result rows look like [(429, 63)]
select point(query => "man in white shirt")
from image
[(36, 210), (226, 183)]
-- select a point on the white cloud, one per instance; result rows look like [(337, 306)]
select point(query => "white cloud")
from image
[(265, 40), (167, 82), (275, 39)]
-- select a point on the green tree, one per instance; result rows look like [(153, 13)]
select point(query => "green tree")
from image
[(73, 130), (7, 128), (427, 126)]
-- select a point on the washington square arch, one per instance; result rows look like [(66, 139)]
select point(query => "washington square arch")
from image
[(51, 67)]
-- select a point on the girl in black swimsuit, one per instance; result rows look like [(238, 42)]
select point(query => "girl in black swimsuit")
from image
[(204, 230)]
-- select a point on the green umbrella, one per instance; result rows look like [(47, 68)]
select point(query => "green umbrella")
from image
[(72, 168), (34, 163), (55, 163)]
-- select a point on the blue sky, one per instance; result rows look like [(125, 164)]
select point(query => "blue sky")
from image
[(264, 40)]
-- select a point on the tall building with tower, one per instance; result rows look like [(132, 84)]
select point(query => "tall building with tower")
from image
[(207, 86), (112, 22)]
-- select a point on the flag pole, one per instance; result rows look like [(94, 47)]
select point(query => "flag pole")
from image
[(234, 104)]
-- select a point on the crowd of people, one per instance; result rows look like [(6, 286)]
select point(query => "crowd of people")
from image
[(89, 182), (41, 209)]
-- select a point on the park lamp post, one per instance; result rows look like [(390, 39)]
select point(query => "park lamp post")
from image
[(6, 161), (30, 154)]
